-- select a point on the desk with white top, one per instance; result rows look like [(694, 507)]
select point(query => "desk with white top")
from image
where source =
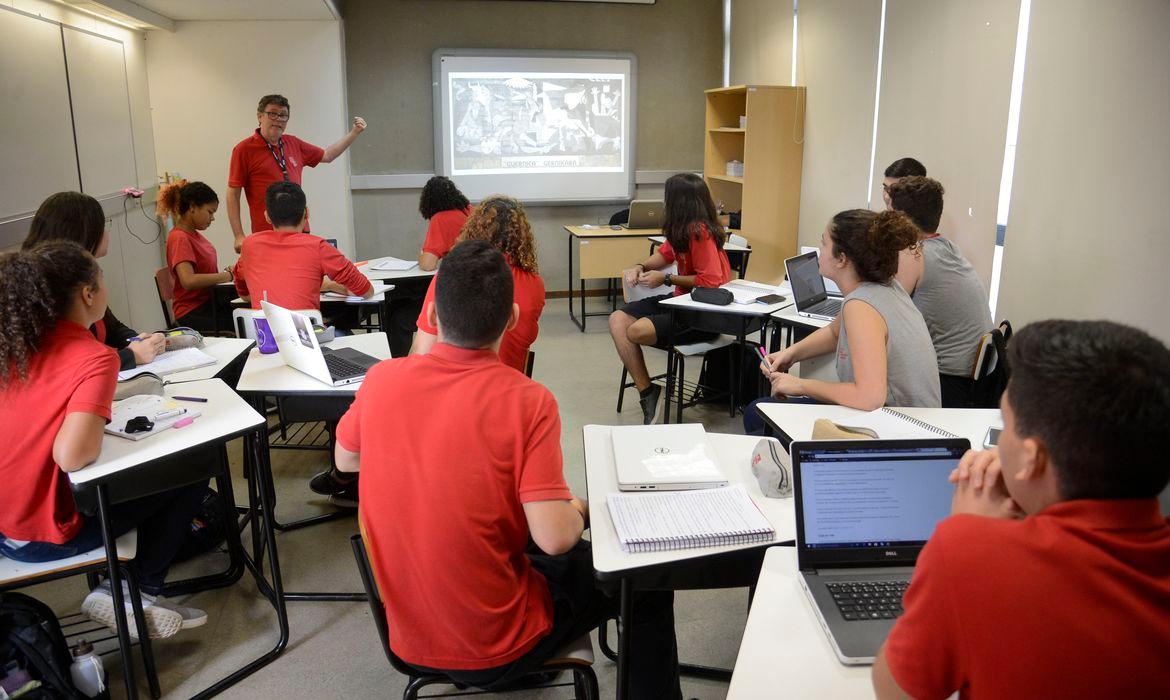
[(267, 375), (674, 569), (793, 421), (228, 353), (784, 647), (129, 469)]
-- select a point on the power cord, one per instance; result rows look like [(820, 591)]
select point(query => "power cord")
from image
[(126, 220)]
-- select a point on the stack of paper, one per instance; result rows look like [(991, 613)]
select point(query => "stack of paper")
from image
[(652, 522), (379, 288), (746, 292), (388, 264)]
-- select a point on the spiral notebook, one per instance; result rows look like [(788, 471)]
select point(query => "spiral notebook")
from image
[(654, 522), (890, 424)]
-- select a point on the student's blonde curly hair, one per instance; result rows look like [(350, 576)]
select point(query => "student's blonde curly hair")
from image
[(501, 221)]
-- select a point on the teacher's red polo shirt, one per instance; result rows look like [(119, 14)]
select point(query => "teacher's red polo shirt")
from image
[(254, 168), (453, 444), (1072, 602), (71, 372)]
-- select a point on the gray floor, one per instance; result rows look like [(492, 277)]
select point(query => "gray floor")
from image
[(334, 650)]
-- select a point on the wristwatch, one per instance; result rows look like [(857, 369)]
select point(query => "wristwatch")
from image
[(667, 281)]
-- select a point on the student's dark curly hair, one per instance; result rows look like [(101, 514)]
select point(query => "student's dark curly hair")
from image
[(872, 241), (919, 198), (688, 204), (68, 216), (440, 194), (501, 221), (178, 197), (36, 288)]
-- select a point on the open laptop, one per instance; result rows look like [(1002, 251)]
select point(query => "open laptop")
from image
[(294, 336), (830, 286), (864, 510), (808, 288), (673, 457), (645, 213)]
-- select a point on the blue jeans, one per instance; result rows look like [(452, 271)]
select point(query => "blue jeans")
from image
[(163, 521)]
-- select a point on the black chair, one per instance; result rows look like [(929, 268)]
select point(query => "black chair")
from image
[(529, 364), (991, 372), (620, 217), (584, 679)]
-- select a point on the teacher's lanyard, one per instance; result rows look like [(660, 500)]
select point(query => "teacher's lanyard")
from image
[(279, 159)]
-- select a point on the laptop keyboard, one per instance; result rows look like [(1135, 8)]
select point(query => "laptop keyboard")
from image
[(868, 600), (828, 307), (341, 368)]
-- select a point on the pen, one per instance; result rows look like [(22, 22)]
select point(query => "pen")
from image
[(163, 415), (194, 399)]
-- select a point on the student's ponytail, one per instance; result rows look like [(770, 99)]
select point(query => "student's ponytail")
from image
[(176, 198), (872, 241), (36, 288)]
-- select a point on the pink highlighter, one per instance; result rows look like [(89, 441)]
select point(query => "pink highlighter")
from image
[(184, 422)]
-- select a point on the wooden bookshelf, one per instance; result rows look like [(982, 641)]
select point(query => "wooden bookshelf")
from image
[(771, 147)]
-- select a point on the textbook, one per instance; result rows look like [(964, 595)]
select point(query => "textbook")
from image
[(665, 520)]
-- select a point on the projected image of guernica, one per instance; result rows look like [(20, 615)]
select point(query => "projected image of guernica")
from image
[(538, 122)]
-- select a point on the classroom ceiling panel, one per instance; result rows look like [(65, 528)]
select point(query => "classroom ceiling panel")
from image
[(239, 10)]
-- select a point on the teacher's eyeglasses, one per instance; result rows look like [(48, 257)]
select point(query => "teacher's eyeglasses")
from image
[(277, 116)]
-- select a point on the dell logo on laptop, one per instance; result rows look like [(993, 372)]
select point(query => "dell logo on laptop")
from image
[(891, 553), (662, 450)]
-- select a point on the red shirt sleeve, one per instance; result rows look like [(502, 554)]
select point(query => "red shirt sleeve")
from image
[(238, 168), (666, 250), (310, 155), (707, 261), (95, 392), (542, 476), (423, 324), (924, 649), (179, 249), (436, 242), (342, 271)]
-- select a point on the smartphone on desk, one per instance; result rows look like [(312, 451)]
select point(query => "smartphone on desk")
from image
[(770, 299)]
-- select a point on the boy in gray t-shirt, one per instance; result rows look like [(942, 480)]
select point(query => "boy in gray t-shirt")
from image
[(945, 288)]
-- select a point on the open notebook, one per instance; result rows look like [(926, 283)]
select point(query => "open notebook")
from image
[(652, 522), (170, 362)]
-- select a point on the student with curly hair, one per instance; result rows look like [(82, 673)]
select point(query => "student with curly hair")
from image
[(500, 221), (694, 240), (57, 384), (884, 353), (191, 258), (77, 217), (446, 210)]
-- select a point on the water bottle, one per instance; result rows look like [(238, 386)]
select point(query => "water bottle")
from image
[(87, 672)]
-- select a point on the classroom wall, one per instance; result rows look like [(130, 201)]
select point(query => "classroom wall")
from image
[(1088, 234), (205, 81), (761, 42), (388, 63), (129, 265)]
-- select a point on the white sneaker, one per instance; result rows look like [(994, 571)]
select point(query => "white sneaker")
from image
[(192, 617), (161, 622)]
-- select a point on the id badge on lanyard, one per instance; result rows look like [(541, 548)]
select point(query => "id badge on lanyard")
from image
[(279, 159)]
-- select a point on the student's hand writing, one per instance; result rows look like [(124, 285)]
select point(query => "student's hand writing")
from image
[(652, 278), (147, 347), (785, 385), (979, 487), (780, 361)]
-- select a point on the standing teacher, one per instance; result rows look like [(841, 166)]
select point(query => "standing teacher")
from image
[(269, 155)]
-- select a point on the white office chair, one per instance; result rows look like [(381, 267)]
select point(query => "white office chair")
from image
[(241, 320)]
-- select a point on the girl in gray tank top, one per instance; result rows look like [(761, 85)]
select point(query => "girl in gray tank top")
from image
[(859, 251)]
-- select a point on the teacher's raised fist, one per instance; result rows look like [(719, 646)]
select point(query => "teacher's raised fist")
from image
[(359, 124)]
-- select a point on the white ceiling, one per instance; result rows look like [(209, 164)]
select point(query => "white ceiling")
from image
[(210, 10)]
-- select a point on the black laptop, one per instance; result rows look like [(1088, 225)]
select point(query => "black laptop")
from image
[(864, 510)]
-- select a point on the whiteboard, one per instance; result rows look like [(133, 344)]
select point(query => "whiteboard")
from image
[(37, 134), (101, 112)]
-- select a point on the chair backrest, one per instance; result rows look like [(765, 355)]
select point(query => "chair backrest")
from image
[(165, 284), (991, 372), (377, 606), (529, 364), (620, 217), (242, 320)]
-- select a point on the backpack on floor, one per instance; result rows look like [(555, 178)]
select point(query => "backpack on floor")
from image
[(207, 530), (31, 636)]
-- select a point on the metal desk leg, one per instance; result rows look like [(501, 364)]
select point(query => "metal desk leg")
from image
[(115, 581), (623, 665), (580, 323)]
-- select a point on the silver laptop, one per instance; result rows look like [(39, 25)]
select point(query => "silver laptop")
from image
[(673, 457), (808, 288), (830, 286), (299, 349), (645, 213), (864, 510)]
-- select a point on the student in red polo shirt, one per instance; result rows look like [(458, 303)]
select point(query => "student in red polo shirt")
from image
[(269, 155), (446, 210), (57, 384), (1052, 576), (190, 256), (694, 240), (460, 488), (289, 265), (77, 217)]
